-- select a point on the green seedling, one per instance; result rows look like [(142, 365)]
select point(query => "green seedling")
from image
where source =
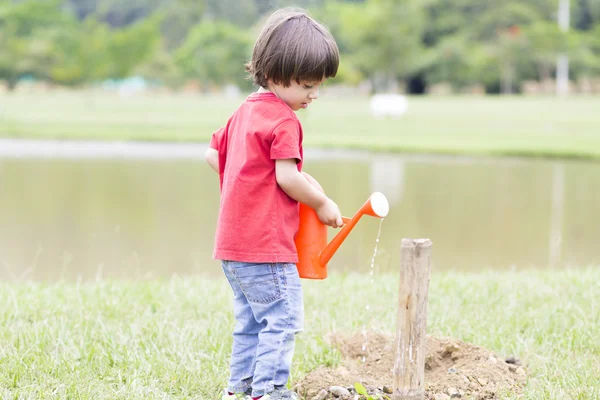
[(360, 389)]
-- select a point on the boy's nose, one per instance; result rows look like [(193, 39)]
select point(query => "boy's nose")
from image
[(314, 95)]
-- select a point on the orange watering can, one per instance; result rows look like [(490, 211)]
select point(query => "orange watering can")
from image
[(311, 240)]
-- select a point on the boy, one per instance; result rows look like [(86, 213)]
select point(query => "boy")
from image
[(258, 155)]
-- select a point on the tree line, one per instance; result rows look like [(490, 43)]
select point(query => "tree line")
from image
[(418, 43)]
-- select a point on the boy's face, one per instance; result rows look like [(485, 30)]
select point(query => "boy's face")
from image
[(297, 95)]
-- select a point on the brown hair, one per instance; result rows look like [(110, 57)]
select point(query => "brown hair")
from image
[(292, 45)]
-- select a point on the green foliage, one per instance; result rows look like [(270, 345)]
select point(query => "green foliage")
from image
[(239, 13), (501, 19), (82, 57), (178, 17), (161, 67), (458, 60), (463, 42), (545, 42), (585, 57), (133, 45), (25, 45), (28, 17), (215, 52), (382, 37)]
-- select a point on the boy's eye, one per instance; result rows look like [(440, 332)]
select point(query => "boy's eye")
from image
[(307, 86)]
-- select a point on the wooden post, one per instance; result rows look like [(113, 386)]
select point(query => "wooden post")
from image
[(409, 365)]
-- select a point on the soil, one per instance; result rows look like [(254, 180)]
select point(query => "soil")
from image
[(453, 369)]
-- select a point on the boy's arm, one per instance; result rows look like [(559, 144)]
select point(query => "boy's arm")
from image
[(212, 158), (295, 185), (212, 153)]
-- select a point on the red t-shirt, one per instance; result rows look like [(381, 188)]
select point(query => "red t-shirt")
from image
[(257, 220)]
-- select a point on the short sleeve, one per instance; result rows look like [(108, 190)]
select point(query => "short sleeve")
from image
[(215, 139), (287, 141)]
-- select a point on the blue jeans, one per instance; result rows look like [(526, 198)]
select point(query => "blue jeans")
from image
[(268, 309)]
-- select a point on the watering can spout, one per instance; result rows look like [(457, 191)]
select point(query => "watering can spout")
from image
[(311, 240), (375, 206)]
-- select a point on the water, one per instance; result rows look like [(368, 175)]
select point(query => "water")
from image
[(368, 306), (152, 213)]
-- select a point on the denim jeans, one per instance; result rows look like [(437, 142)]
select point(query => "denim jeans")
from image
[(269, 311)]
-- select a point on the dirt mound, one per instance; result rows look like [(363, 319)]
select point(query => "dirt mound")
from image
[(453, 369)]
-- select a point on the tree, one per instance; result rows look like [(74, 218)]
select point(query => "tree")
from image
[(80, 53), (238, 13), (215, 52), (500, 29), (133, 45), (178, 18), (498, 43), (545, 42), (383, 38), (584, 52), (458, 60), (25, 45), (91, 51), (161, 67), (586, 14)]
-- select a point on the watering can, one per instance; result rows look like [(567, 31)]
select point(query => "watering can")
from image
[(311, 239)]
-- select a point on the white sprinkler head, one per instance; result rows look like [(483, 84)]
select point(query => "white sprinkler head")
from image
[(379, 204)]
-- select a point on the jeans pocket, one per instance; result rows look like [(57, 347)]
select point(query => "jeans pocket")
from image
[(259, 282)]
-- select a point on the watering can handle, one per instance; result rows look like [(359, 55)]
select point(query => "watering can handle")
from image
[(345, 220)]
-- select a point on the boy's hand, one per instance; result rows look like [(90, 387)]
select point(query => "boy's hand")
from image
[(297, 186), (329, 214)]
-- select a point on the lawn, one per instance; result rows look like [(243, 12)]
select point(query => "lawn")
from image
[(170, 339), (537, 126)]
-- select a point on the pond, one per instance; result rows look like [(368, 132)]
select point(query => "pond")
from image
[(135, 211)]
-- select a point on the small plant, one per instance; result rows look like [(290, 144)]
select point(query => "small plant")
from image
[(360, 389)]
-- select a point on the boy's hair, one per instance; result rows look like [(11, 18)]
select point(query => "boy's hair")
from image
[(292, 45)]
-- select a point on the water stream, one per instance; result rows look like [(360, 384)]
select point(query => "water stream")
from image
[(371, 273)]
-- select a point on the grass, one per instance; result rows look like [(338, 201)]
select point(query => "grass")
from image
[(171, 339), (531, 126)]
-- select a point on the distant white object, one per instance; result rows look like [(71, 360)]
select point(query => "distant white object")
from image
[(388, 105), (131, 86), (232, 91)]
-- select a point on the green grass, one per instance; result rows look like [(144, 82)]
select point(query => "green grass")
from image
[(534, 126), (171, 339)]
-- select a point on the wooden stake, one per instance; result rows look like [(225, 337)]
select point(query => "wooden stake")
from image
[(409, 366)]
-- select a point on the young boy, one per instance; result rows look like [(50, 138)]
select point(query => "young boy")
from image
[(258, 155)]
